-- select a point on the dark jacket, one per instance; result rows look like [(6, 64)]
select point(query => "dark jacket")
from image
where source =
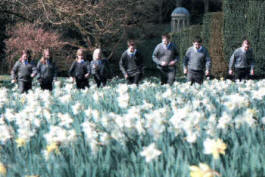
[(100, 68), (79, 70), (242, 59), (165, 53), (197, 60), (46, 72), (22, 71), (131, 64)]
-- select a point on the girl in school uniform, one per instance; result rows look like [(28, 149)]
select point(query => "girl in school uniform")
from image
[(47, 71), (80, 70), (100, 68)]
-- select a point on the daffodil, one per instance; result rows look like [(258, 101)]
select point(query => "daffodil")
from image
[(150, 152), (20, 142), (214, 147), (2, 170), (203, 170), (53, 147)]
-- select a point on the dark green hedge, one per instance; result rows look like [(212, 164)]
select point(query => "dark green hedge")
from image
[(183, 40), (245, 18)]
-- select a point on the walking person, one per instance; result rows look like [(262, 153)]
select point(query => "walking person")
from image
[(197, 62), (166, 57), (80, 70), (100, 68), (23, 72), (242, 62), (47, 70), (131, 63)]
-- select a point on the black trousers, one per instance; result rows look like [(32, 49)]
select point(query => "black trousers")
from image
[(24, 86), (167, 75), (81, 83), (135, 79), (46, 85), (101, 81), (242, 73), (195, 76)]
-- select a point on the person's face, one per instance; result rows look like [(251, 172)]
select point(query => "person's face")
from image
[(97, 55), (47, 54), (165, 40), (132, 47), (24, 56), (197, 45), (80, 55), (245, 45)]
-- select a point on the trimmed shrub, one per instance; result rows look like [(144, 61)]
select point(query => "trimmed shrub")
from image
[(183, 40), (245, 18), (212, 35)]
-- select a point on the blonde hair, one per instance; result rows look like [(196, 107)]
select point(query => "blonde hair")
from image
[(97, 51), (43, 60), (80, 52)]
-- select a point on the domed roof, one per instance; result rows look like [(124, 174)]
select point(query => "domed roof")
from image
[(180, 11)]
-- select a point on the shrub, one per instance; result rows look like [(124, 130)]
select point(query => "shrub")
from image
[(27, 36)]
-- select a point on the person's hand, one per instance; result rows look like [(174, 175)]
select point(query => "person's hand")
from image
[(207, 73), (252, 72), (126, 76), (172, 63), (185, 71), (163, 63), (87, 75), (32, 75), (13, 81), (230, 72)]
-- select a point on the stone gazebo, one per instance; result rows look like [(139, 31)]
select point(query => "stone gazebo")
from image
[(180, 19)]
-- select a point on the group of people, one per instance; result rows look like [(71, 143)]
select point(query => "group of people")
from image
[(196, 63)]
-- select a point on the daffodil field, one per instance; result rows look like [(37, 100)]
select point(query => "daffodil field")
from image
[(214, 129)]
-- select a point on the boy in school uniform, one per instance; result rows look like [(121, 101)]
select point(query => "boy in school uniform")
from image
[(166, 57), (23, 72), (197, 62), (242, 61), (131, 63)]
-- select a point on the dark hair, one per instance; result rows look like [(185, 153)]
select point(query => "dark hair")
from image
[(130, 42), (166, 35), (197, 39), (247, 41), (26, 51)]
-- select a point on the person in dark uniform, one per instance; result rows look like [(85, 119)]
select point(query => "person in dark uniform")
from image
[(23, 72), (195, 61), (131, 63), (242, 61), (80, 70), (47, 71), (165, 57), (100, 68)]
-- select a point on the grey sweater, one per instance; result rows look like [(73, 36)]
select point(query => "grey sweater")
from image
[(100, 68), (79, 70), (165, 53), (131, 64), (47, 71), (22, 71), (197, 60), (242, 59)]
